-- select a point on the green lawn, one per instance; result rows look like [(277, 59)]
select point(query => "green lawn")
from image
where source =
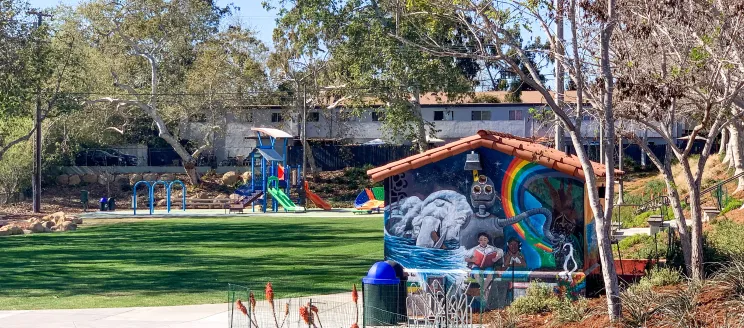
[(185, 261)]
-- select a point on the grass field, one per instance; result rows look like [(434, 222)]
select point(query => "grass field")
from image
[(184, 261)]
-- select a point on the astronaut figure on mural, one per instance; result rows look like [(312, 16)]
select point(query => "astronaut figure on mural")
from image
[(483, 197)]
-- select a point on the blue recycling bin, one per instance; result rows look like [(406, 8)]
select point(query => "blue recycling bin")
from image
[(104, 204), (381, 297)]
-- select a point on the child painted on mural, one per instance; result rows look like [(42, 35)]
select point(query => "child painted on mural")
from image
[(514, 257), (481, 259)]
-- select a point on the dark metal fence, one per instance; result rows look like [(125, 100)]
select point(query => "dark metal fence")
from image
[(337, 157)]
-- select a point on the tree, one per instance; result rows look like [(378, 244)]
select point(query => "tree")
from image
[(372, 66), (498, 26), (164, 34), (697, 80)]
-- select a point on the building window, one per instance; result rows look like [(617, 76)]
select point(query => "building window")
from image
[(443, 115), (378, 116), (515, 115), (276, 118), (313, 117), (480, 115)]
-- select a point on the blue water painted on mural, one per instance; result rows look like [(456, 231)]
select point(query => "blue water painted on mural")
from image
[(405, 252)]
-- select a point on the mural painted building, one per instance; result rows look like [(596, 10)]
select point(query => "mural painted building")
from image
[(522, 216)]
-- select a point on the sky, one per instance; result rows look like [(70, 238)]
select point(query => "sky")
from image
[(251, 13)]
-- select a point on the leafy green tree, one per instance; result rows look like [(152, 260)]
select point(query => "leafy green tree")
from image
[(369, 67)]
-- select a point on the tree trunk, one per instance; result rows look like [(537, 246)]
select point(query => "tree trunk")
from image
[(696, 256), (420, 123), (727, 160), (737, 151), (620, 190), (643, 151), (724, 141), (601, 228)]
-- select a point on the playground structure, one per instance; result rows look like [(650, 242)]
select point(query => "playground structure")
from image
[(274, 178), (313, 197), (151, 193), (370, 200)]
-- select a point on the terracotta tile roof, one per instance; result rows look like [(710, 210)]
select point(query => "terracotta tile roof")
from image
[(506, 143)]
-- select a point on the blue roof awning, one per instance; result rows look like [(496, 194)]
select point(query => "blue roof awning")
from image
[(270, 155)]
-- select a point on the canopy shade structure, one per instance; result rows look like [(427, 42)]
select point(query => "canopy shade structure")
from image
[(270, 155), (276, 133), (375, 142)]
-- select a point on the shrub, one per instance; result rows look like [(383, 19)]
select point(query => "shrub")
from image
[(678, 307), (730, 278), (639, 304), (731, 204), (567, 311), (659, 276), (540, 298)]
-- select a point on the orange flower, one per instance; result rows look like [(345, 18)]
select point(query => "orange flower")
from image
[(252, 300), (305, 315), (269, 293), (354, 294), (241, 307), (354, 325), (312, 307)]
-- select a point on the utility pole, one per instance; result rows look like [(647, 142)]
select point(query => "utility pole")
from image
[(560, 144), (304, 139), (36, 178)]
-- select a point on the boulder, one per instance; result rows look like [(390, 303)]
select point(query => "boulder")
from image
[(162, 202), (33, 220), (122, 180), (246, 177), (150, 176), (37, 227), (14, 230), (90, 178), (134, 178), (167, 177), (234, 197), (73, 180), (74, 219), (65, 226), (4, 232), (105, 178), (230, 178), (63, 179), (48, 225), (26, 232), (54, 216)]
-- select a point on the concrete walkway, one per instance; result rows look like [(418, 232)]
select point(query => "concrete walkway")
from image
[(205, 316), (337, 310)]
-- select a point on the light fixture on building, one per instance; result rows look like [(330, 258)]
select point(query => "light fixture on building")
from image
[(472, 162)]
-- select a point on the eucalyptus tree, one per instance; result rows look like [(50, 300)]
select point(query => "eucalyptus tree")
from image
[(148, 46), (372, 67), (697, 79)]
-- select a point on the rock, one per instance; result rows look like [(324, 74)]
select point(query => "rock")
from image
[(73, 180), (246, 177), (26, 232), (4, 232), (162, 202), (134, 178), (167, 177), (59, 221), (63, 179), (122, 180), (54, 216), (33, 220), (150, 177), (14, 230), (90, 178), (105, 178), (37, 227), (48, 225), (230, 178), (75, 220), (65, 226), (234, 197)]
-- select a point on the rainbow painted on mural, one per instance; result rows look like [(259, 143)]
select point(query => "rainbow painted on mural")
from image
[(517, 173)]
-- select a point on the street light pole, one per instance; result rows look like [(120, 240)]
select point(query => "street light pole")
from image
[(36, 177)]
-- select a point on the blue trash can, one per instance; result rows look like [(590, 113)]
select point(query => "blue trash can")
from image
[(104, 204), (381, 296)]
